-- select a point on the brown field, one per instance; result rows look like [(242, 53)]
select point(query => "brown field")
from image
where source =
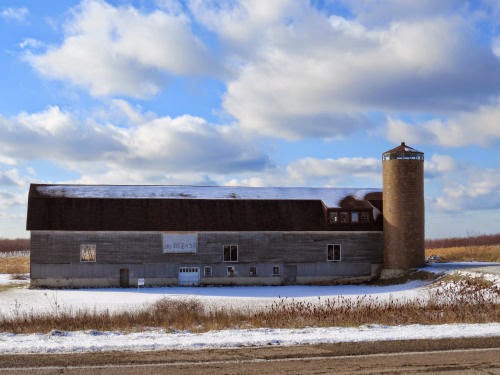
[(15, 265), (467, 253)]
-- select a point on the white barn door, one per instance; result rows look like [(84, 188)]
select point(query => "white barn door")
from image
[(189, 276)]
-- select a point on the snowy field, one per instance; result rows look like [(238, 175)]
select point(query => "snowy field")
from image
[(16, 298)]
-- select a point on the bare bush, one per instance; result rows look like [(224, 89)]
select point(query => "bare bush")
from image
[(482, 240), (18, 244)]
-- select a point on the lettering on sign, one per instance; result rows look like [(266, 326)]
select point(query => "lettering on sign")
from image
[(186, 242), (87, 253)]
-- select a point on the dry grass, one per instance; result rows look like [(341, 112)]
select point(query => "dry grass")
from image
[(15, 265), (457, 300), (467, 253)]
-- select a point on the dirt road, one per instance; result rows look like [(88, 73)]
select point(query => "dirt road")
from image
[(455, 356)]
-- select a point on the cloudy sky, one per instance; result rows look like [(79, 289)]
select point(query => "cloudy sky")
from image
[(252, 93)]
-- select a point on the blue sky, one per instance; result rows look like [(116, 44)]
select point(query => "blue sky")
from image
[(252, 93)]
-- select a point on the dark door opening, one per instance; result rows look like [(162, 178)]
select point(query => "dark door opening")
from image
[(124, 278), (290, 273)]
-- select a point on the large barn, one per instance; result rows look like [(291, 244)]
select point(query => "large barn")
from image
[(103, 235)]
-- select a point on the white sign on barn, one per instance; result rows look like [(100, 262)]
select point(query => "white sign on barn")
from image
[(175, 242)]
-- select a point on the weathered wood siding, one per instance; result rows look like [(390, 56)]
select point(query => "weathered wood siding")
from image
[(301, 256)]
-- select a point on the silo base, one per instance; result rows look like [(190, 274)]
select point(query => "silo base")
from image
[(392, 273)]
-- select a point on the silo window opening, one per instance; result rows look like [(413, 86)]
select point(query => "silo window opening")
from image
[(334, 253), (402, 157), (230, 253)]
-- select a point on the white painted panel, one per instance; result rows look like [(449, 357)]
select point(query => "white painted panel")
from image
[(180, 242)]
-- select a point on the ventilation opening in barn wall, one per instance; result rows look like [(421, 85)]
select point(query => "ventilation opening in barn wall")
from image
[(124, 278)]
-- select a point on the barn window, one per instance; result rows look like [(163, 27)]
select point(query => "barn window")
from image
[(230, 271), (333, 253), (276, 270), (333, 217), (230, 253), (344, 217), (88, 253), (364, 217), (207, 271), (253, 271), (354, 217)]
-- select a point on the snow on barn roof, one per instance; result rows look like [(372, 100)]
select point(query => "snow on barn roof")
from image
[(330, 196)]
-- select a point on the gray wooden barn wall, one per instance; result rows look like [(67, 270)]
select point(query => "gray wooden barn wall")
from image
[(302, 257)]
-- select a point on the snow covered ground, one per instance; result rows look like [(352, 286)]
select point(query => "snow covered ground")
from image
[(16, 298), (21, 299), (94, 341)]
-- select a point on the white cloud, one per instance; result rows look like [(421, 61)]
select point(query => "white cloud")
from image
[(31, 43), (8, 199), (15, 14), (241, 21), (301, 73), (462, 129), (475, 189), (439, 165), (334, 172), (190, 143), (378, 13), (159, 146), (121, 50), (495, 46), (11, 177), (134, 115), (342, 172), (291, 70), (50, 121)]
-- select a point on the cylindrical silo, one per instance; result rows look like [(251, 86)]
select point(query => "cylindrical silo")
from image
[(403, 210)]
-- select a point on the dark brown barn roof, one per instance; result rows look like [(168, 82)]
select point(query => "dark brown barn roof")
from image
[(52, 210)]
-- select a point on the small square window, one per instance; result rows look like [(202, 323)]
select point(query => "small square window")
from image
[(333, 253), (344, 217), (230, 271), (230, 253), (364, 217), (354, 217), (207, 271), (276, 270), (333, 217), (252, 271)]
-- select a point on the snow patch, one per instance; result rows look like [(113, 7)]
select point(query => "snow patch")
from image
[(92, 341)]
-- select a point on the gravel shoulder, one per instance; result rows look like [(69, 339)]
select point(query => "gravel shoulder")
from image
[(268, 353)]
